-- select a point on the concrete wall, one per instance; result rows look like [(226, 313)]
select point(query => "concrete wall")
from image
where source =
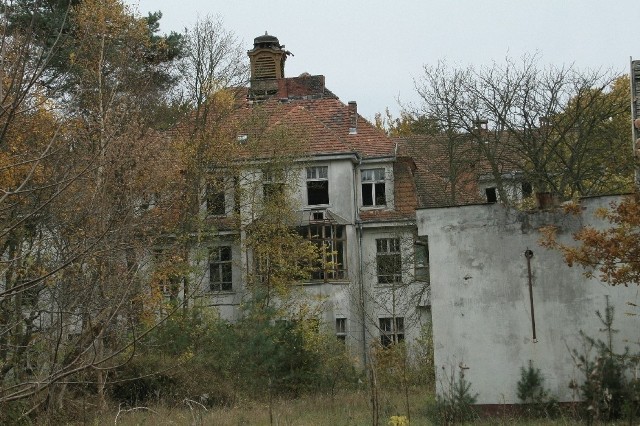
[(481, 305)]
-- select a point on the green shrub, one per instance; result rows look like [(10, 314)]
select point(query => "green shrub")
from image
[(455, 404)]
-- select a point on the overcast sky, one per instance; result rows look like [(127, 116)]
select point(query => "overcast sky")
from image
[(371, 51)]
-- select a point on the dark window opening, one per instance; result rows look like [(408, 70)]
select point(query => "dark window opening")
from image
[(388, 260), (317, 185), (236, 195), (391, 331), (527, 190), (331, 241), (220, 269), (373, 187), (492, 195), (216, 198)]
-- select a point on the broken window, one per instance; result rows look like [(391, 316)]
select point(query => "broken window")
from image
[(373, 187), (341, 329), (421, 258), (220, 269), (492, 195), (331, 241), (391, 331), (388, 260), (215, 197), (317, 185)]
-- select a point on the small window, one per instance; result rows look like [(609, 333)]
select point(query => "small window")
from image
[(421, 259), (341, 329), (492, 195), (388, 260), (391, 331), (215, 197), (220, 269), (317, 185), (373, 187), (527, 190)]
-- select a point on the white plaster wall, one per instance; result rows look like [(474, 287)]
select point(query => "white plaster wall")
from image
[(340, 173), (386, 300), (481, 305)]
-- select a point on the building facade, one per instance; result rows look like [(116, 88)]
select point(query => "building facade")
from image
[(351, 193)]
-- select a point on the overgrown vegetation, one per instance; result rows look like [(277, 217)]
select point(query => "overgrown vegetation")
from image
[(197, 356), (532, 393), (455, 404), (610, 387)]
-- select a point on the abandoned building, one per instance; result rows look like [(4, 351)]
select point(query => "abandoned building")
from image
[(399, 249), (354, 196)]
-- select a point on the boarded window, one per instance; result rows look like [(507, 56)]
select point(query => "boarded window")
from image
[(373, 187)]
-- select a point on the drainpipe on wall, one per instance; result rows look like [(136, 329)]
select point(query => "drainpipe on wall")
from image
[(361, 295)]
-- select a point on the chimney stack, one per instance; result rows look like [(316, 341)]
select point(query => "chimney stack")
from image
[(267, 66), (353, 117)]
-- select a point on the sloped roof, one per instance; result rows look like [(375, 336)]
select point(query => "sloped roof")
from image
[(312, 118), (446, 173)]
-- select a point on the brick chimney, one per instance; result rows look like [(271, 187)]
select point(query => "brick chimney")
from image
[(353, 117)]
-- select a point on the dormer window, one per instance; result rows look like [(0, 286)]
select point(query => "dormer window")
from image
[(373, 187), (317, 185)]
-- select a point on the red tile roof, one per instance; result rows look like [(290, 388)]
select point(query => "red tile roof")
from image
[(312, 118), (446, 171)]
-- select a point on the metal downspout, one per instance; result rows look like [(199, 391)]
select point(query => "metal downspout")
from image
[(358, 223)]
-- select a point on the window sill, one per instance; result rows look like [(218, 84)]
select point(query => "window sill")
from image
[(389, 285), (332, 282), (368, 208), (222, 292)]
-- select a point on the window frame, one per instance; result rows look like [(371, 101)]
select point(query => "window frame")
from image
[(388, 252), (332, 242), (216, 190), (392, 330), (317, 175), (341, 329), (370, 186), (421, 259), (223, 266), (273, 184)]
